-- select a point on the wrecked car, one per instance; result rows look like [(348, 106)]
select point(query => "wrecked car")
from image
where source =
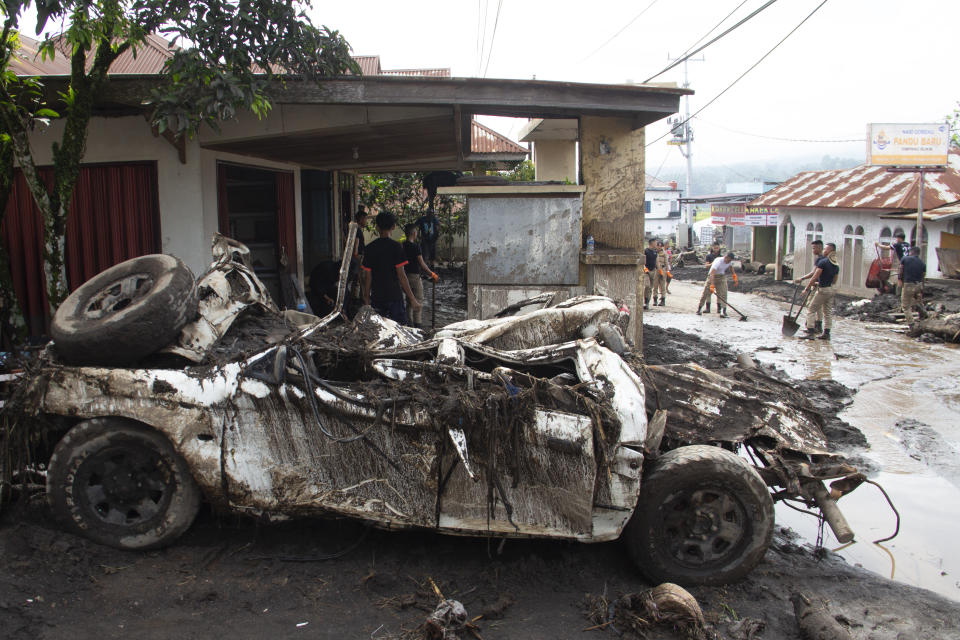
[(537, 424)]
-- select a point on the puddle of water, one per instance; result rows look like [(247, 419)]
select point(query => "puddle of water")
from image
[(896, 378)]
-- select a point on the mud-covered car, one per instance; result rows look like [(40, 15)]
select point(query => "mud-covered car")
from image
[(538, 424)]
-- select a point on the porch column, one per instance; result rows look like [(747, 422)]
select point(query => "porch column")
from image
[(612, 168)]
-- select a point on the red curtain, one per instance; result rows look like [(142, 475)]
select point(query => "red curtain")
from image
[(286, 220), (114, 216)]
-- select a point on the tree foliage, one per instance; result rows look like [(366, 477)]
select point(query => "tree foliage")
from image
[(231, 52), (953, 120), (403, 195), (523, 172)]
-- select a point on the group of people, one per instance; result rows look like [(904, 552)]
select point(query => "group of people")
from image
[(656, 273), (389, 273)]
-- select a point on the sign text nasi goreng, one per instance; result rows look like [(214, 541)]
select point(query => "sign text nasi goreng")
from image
[(919, 145), (741, 215)]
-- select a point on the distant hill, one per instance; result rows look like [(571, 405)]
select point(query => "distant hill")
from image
[(713, 179)]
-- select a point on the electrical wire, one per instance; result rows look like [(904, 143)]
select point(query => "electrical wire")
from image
[(715, 27), (699, 49), (742, 75), (483, 37), (656, 176), (622, 29), (493, 36)]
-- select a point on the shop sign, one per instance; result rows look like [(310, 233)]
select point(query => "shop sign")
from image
[(908, 144), (739, 215)]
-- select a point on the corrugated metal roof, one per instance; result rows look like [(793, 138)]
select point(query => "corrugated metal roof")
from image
[(369, 65), (483, 139), (933, 215), (866, 187), (430, 73), (148, 59)]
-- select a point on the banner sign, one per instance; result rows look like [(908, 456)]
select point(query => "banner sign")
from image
[(740, 215), (908, 144)]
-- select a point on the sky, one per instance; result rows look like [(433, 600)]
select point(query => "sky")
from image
[(853, 62)]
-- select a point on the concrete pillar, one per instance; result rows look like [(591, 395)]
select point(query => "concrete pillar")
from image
[(612, 168), (555, 160)]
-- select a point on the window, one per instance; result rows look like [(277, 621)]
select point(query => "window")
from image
[(646, 206), (818, 232), (886, 235)]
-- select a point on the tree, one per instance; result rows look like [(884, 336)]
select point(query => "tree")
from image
[(523, 172), (953, 120), (232, 52), (403, 195)]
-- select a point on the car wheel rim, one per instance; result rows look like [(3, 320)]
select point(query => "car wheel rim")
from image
[(704, 527), (125, 486), (118, 295)]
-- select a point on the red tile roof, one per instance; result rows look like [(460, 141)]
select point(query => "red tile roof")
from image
[(483, 139), (866, 187)]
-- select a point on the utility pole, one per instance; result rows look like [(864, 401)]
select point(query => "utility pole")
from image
[(683, 137)]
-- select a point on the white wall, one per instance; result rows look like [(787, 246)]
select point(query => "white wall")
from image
[(834, 223), (187, 193)]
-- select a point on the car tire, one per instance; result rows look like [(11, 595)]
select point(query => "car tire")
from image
[(126, 312), (704, 517), (122, 484)]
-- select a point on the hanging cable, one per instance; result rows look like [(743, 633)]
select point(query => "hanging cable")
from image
[(758, 135), (493, 36), (622, 29), (699, 49), (741, 76), (715, 27)]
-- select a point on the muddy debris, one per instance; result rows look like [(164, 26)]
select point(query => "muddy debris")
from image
[(815, 621), (446, 622), (634, 614)]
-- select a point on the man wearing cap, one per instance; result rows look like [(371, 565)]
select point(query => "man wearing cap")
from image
[(717, 283), (912, 272), (823, 278)]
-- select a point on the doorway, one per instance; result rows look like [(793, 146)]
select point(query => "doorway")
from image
[(256, 207)]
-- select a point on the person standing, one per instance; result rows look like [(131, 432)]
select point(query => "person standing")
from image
[(415, 268), (717, 284), (912, 272), (649, 271), (660, 277), (713, 254), (817, 247), (823, 278), (901, 246), (384, 279), (429, 227)]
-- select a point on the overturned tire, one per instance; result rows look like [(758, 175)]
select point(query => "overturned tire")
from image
[(122, 484), (126, 312), (704, 517)]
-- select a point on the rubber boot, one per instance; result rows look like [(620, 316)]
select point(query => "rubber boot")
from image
[(707, 308), (819, 326), (663, 301), (825, 335), (723, 312), (698, 311)]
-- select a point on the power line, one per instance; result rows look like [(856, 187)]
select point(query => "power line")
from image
[(656, 176), (622, 29), (758, 135), (479, 15), (698, 50), (715, 27), (493, 36), (483, 38), (752, 67)]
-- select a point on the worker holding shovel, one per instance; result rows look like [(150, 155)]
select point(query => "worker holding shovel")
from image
[(823, 278), (717, 284)]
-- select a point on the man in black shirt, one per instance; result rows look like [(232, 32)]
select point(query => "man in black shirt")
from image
[(900, 246), (912, 272), (823, 277), (649, 269), (428, 226), (384, 280)]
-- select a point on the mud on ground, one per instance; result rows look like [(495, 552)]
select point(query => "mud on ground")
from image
[(239, 577)]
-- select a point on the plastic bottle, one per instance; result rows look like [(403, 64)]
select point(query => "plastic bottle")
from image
[(589, 250), (301, 303)]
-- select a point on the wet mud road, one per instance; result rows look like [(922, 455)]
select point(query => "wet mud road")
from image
[(906, 403)]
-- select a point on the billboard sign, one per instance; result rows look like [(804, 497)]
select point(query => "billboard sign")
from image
[(739, 215), (912, 145)]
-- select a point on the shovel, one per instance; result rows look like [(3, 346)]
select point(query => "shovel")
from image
[(790, 324), (743, 318)]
